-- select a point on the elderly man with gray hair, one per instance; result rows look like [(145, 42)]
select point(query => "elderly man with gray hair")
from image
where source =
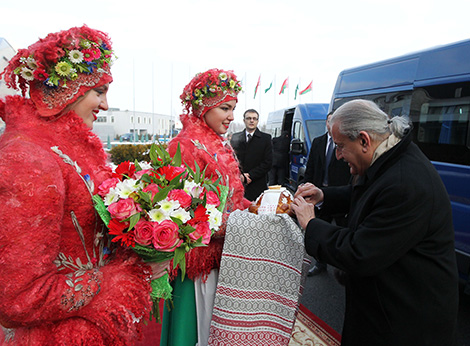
[(397, 251)]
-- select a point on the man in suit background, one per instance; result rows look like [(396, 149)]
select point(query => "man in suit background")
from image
[(323, 169), (280, 168), (254, 152)]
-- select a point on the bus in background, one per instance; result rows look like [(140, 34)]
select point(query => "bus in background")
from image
[(432, 88), (304, 122)]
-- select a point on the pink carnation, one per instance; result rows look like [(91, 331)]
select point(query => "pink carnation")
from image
[(181, 196), (166, 236), (143, 232), (124, 208), (202, 230), (153, 188), (139, 174), (211, 198), (107, 185)]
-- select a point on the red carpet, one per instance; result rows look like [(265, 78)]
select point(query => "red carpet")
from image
[(310, 330)]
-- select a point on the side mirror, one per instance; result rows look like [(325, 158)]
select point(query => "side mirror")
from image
[(296, 146)]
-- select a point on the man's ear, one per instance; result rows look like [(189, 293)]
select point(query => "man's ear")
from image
[(365, 140)]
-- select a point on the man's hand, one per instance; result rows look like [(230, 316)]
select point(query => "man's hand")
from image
[(304, 211), (310, 193), (159, 269), (247, 178)]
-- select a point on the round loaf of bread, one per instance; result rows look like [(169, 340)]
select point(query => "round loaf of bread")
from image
[(283, 203)]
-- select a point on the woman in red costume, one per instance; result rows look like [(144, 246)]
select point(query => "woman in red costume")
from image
[(209, 101), (60, 284)]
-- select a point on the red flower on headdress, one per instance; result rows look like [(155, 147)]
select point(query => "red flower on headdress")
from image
[(96, 53), (40, 74), (88, 55)]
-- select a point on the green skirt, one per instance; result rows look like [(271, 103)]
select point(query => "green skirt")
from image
[(179, 326)]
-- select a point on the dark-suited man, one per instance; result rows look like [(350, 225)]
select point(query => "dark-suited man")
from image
[(280, 168), (398, 248), (254, 151), (324, 169)]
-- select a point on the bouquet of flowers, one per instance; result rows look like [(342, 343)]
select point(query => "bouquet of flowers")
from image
[(161, 210)]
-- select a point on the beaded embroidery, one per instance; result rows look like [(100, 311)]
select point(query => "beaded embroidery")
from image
[(76, 297)]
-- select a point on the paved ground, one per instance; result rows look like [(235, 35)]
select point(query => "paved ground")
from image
[(325, 298)]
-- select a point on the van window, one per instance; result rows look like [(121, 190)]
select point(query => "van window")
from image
[(440, 116), (444, 122), (394, 103), (315, 128)]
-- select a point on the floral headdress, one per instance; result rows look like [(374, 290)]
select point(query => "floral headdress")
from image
[(208, 90), (61, 67)]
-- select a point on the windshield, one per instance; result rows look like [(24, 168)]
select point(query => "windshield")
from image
[(315, 128)]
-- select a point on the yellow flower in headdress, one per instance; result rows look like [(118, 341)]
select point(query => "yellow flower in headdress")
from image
[(63, 68)]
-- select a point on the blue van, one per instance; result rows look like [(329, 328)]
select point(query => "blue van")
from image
[(304, 122), (432, 89)]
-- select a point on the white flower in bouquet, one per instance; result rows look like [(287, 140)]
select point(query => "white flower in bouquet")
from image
[(128, 186), (192, 188), (215, 216), (111, 197)]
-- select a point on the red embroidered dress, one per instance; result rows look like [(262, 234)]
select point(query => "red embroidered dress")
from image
[(55, 286), (201, 144)]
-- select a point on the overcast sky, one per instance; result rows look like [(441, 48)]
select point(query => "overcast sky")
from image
[(161, 45)]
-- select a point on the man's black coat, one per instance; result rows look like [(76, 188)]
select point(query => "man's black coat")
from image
[(255, 158), (397, 252)]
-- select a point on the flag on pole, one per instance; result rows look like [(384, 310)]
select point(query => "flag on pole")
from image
[(284, 86), (296, 89), (269, 88), (257, 85), (307, 89)]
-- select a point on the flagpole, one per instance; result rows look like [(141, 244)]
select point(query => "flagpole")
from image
[(133, 98), (245, 91), (274, 92), (312, 95), (288, 91), (298, 85), (153, 103), (171, 105), (260, 94)]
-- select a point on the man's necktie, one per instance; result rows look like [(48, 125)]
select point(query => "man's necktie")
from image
[(329, 155), (249, 138)]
